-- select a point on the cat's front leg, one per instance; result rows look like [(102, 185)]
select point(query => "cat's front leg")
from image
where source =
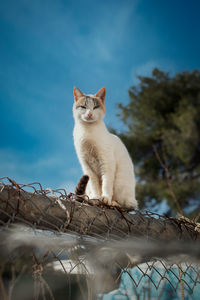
[(94, 187), (107, 185), (93, 184)]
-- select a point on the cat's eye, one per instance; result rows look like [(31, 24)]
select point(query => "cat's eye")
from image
[(83, 106), (97, 106)]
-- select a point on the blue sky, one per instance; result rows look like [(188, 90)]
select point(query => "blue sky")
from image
[(47, 47)]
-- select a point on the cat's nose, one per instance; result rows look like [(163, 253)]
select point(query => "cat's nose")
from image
[(89, 115)]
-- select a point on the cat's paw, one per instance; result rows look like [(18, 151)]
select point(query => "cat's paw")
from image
[(131, 205), (115, 204), (106, 200)]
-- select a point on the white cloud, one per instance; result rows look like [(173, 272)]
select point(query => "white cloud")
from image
[(108, 33), (106, 30)]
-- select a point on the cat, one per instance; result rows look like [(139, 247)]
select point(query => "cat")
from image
[(102, 155)]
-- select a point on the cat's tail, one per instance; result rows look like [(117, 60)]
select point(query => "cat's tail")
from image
[(81, 186)]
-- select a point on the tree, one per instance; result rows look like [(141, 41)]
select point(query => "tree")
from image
[(163, 137)]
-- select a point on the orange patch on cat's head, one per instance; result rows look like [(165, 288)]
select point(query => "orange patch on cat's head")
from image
[(77, 94), (101, 103), (100, 96), (80, 101)]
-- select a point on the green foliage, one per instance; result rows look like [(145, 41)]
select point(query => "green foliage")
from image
[(162, 117)]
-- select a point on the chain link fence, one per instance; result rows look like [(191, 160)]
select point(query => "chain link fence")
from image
[(55, 245)]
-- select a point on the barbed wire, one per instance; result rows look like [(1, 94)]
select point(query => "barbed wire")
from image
[(55, 245)]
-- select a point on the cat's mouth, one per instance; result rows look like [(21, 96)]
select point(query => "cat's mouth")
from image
[(88, 119)]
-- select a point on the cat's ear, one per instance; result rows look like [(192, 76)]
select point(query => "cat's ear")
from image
[(101, 94), (77, 94)]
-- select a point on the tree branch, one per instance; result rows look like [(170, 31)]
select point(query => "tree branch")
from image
[(168, 177), (41, 211)]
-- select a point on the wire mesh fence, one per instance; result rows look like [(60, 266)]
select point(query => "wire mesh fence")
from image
[(55, 245)]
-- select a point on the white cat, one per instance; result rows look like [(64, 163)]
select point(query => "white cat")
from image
[(102, 155)]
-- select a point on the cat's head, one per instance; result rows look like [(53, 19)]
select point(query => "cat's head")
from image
[(89, 108)]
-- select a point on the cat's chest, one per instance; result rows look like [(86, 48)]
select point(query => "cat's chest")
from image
[(92, 155)]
